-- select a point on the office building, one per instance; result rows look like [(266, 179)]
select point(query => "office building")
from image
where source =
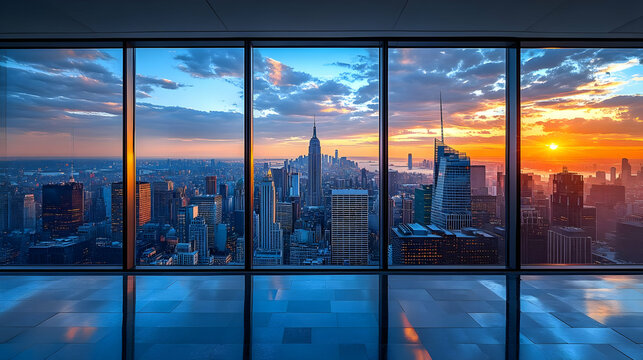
[(211, 185), (269, 230), (184, 218), (567, 199), (422, 204), (63, 208), (199, 237), (349, 227), (568, 245), (451, 202)]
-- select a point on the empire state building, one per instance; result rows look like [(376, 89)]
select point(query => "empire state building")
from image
[(314, 170)]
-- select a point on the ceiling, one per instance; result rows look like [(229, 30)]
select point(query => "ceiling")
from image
[(91, 19)]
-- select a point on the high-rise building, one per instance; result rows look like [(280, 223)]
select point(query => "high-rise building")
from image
[(269, 229), (210, 209), (29, 213), (609, 195), (143, 206), (285, 217), (568, 245), (588, 221), (184, 218), (612, 174), (422, 204), (483, 210), (165, 202), (143, 203), (349, 227), (451, 202), (294, 184), (211, 185), (117, 204), (62, 208), (567, 199), (410, 161), (478, 180), (199, 237), (533, 236), (314, 171), (629, 238), (626, 171), (407, 211), (601, 177)]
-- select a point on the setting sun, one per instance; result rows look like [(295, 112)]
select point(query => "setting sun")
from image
[(552, 146)]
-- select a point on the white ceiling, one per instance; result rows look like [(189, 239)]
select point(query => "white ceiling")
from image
[(311, 18)]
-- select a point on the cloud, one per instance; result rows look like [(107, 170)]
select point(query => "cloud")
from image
[(212, 63), (147, 84)]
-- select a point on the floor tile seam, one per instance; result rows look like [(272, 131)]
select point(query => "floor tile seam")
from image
[(625, 336)]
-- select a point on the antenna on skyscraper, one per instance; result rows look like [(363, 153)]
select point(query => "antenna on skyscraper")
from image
[(441, 121), (314, 126)]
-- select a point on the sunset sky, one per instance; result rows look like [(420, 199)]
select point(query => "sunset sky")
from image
[(190, 103)]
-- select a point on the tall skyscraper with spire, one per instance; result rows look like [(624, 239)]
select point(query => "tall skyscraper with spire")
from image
[(270, 234), (314, 170), (451, 202)]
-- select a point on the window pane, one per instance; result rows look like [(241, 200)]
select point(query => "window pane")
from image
[(581, 156), (61, 127), (316, 156), (189, 156), (446, 156)]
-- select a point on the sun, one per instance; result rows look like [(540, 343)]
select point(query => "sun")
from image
[(552, 146)]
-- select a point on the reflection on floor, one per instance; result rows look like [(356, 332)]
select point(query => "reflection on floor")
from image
[(53, 317), (446, 317), (315, 317), (581, 317), (320, 317)]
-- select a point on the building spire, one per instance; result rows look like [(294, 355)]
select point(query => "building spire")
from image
[(441, 121), (314, 126)]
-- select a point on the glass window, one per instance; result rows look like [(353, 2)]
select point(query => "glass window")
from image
[(582, 156), (316, 128), (61, 127), (189, 157), (446, 156)]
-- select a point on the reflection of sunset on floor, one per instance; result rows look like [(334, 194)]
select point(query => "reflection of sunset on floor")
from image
[(411, 336), (72, 332)]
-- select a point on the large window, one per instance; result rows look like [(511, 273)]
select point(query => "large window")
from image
[(189, 157), (316, 156), (581, 185), (314, 121), (446, 156), (61, 127)]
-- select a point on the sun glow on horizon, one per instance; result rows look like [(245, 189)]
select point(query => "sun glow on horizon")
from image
[(552, 146)]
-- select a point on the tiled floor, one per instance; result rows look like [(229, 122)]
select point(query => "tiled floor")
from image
[(52, 317), (320, 317), (315, 317), (581, 317), (446, 317), (189, 317)]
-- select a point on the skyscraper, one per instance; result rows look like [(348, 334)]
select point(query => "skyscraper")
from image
[(184, 219), (410, 161), (269, 230), (314, 170), (349, 227), (422, 204), (567, 199), (210, 209), (211, 185), (62, 208), (199, 237), (626, 171), (451, 203), (478, 180), (143, 203), (407, 211)]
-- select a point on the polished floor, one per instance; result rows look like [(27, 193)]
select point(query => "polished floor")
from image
[(318, 317)]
